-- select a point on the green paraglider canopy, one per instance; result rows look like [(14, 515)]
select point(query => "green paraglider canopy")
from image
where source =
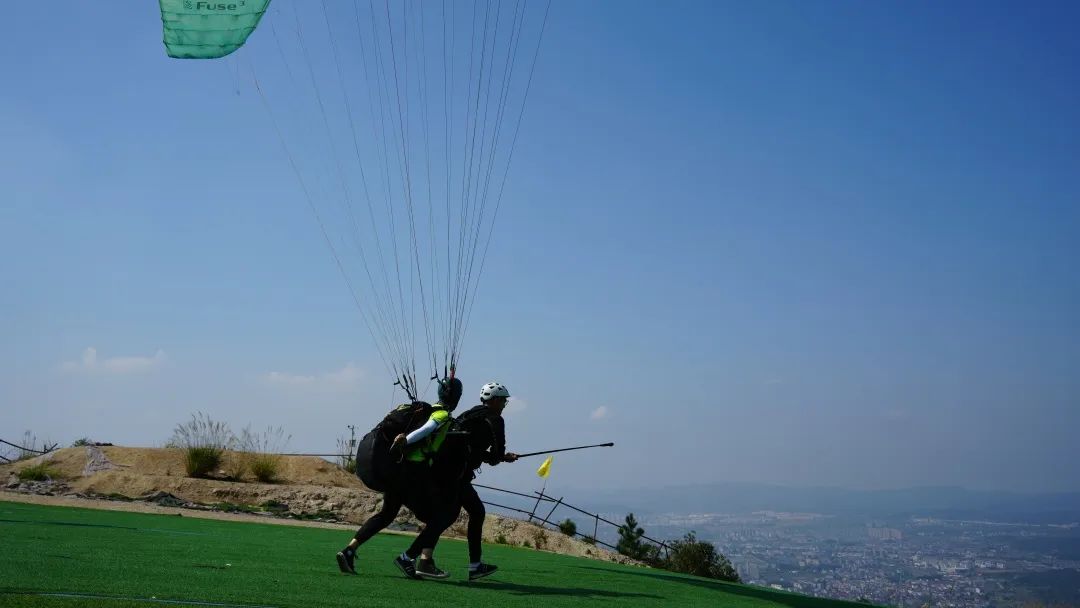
[(198, 29)]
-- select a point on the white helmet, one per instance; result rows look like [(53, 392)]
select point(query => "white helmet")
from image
[(493, 389)]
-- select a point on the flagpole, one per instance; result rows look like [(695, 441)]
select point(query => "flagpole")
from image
[(543, 471)]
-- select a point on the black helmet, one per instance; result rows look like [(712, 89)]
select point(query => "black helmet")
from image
[(450, 390)]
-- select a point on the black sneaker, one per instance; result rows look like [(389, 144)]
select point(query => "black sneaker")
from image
[(407, 566), (427, 569), (347, 562), (481, 571)]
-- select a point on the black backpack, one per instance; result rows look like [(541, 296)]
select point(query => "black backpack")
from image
[(404, 419), (455, 458), (375, 465), (467, 422)]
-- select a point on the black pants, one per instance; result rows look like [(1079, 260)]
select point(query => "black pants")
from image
[(445, 506), (414, 488), (434, 508), (392, 501), (470, 501)]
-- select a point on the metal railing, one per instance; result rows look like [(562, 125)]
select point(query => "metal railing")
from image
[(561, 502), (540, 497), (23, 450)]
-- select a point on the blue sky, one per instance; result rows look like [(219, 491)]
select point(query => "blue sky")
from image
[(829, 244)]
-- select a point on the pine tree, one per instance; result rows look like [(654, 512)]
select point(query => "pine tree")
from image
[(630, 543)]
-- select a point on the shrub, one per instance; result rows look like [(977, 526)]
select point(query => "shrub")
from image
[(568, 527), (204, 442), (346, 455), (263, 449), (229, 507), (38, 472), (631, 543), (83, 441), (588, 540), (275, 506), (235, 464), (692, 556), (652, 556), (539, 538), (270, 441), (202, 431), (501, 540), (200, 461), (266, 467)]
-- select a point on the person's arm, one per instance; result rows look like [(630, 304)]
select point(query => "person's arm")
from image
[(497, 452), (434, 422), (429, 427)]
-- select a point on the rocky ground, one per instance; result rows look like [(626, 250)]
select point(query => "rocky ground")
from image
[(308, 491)]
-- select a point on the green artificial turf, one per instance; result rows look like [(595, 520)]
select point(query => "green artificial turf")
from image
[(112, 559)]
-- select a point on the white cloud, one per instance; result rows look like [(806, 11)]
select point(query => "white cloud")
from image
[(599, 413), (90, 362), (344, 378)]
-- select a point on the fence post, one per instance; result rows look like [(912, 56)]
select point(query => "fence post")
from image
[(552, 512), (596, 526), (540, 496)]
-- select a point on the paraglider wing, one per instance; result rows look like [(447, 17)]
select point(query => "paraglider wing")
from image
[(406, 206), (199, 29)]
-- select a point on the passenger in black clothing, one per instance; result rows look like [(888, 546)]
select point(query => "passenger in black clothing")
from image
[(486, 441)]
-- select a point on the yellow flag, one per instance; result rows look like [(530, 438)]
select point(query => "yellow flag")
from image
[(544, 468)]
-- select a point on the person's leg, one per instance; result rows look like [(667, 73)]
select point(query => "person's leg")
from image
[(425, 541), (470, 501), (423, 546), (392, 500), (436, 505)]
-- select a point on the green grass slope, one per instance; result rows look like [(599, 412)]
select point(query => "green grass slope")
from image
[(65, 557)]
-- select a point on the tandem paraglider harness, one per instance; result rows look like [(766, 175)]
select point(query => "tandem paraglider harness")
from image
[(376, 464)]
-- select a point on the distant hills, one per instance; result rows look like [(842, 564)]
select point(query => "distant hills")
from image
[(941, 502)]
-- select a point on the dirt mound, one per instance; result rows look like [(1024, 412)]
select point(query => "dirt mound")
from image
[(307, 488), (302, 470)]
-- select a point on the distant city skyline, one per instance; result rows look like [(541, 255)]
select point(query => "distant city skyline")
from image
[(911, 562)]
